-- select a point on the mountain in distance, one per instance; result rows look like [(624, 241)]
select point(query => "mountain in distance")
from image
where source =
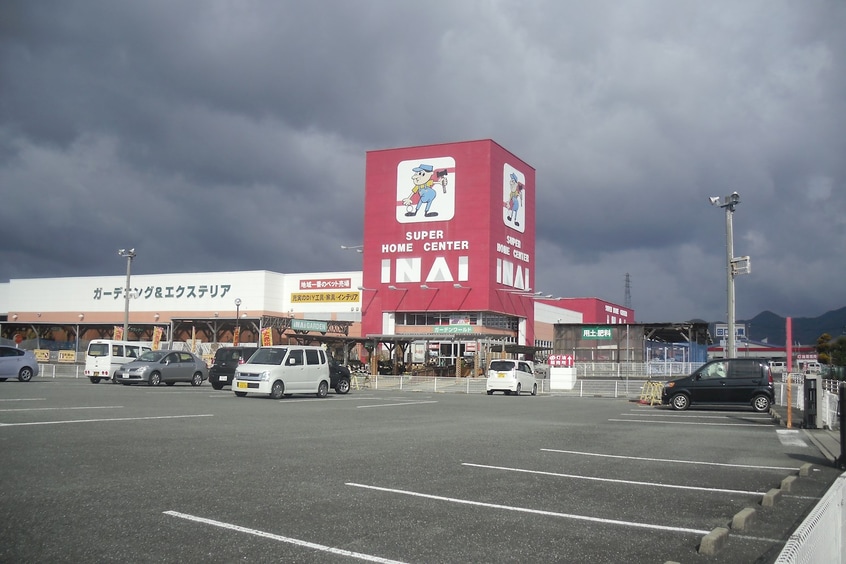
[(771, 328)]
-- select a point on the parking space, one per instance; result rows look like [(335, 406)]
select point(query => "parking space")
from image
[(106, 472)]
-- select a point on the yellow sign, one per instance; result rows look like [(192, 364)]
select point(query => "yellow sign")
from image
[(118, 334), (236, 336), (67, 356), (42, 355), (157, 338), (322, 297), (267, 337)]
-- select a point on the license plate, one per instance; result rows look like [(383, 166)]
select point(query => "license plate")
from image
[(224, 378), (96, 373), (501, 375), (242, 384)]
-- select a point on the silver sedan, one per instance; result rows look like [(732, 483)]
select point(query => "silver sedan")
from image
[(168, 366), (17, 363)]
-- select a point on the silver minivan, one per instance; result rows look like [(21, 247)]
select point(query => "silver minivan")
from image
[(511, 377), (283, 370)]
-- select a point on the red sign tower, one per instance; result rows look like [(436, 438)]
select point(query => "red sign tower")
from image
[(449, 228)]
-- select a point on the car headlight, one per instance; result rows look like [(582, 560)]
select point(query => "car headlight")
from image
[(265, 376), (669, 384)]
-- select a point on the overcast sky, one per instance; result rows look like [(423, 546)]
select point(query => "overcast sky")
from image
[(231, 135)]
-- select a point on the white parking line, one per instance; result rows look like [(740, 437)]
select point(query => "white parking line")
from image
[(103, 420), (614, 480), (677, 415), (24, 399), (670, 460), (395, 404), (297, 542), (689, 423), (62, 408), (536, 511)]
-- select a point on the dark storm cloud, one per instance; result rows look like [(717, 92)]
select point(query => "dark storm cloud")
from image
[(220, 136)]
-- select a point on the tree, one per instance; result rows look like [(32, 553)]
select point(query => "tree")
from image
[(838, 351), (824, 349)]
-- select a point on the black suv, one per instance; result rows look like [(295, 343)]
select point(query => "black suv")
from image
[(727, 380), (339, 376), (226, 360)]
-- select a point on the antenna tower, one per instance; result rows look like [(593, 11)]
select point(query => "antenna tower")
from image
[(627, 301)]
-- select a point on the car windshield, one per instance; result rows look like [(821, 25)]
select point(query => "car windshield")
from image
[(152, 356), (98, 349), (268, 356), (502, 365), (222, 355)]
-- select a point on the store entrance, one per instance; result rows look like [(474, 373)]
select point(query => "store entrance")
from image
[(442, 357)]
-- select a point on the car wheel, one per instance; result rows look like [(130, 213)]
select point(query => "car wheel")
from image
[(277, 390), (2, 379), (761, 403), (240, 394), (155, 379), (323, 389), (25, 375), (680, 402), (197, 379), (94, 380), (490, 392), (217, 386), (519, 389), (343, 386), (534, 389)]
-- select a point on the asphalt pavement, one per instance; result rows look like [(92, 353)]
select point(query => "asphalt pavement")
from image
[(106, 473)]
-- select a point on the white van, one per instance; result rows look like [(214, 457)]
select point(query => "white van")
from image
[(283, 370), (511, 376), (810, 367), (104, 356), (778, 366)]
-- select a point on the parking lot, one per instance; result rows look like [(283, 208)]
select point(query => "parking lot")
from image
[(111, 473)]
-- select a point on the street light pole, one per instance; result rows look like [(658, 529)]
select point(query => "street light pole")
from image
[(729, 203), (128, 255), (237, 338)]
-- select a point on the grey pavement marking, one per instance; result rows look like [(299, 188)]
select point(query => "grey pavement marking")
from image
[(790, 438)]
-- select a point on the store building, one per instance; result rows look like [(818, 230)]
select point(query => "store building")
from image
[(448, 277)]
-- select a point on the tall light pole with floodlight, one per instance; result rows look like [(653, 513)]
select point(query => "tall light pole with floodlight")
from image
[(734, 266), (128, 255), (237, 338)]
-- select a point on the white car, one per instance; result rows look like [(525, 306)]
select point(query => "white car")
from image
[(283, 370), (511, 376)]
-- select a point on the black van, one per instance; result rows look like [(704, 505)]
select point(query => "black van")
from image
[(723, 381), (226, 360)]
